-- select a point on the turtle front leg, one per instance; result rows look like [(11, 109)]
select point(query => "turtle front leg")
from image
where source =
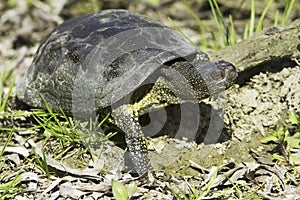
[(136, 159)]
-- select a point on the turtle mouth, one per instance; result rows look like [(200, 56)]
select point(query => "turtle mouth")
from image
[(231, 78)]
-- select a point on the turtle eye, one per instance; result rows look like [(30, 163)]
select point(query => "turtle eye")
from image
[(217, 75)]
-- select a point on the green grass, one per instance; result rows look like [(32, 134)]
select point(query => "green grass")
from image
[(65, 129), (5, 76), (8, 187), (287, 11), (6, 142), (11, 187), (288, 141), (61, 131), (224, 31)]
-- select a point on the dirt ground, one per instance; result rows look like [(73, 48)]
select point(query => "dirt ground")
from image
[(252, 110)]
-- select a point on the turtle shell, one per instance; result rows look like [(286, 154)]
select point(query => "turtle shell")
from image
[(93, 61)]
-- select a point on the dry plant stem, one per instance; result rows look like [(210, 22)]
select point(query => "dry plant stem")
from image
[(285, 153)]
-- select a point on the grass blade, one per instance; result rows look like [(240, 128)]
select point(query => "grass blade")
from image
[(5, 100), (262, 17), (6, 142), (252, 18), (214, 9), (203, 28), (276, 18), (181, 32), (232, 33), (287, 11)]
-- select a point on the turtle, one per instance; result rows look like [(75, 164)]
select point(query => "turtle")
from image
[(122, 63)]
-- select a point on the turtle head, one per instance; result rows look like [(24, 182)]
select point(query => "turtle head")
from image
[(213, 77), (206, 78), (220, 74)]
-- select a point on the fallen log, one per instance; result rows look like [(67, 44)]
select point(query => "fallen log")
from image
[(269, 50)]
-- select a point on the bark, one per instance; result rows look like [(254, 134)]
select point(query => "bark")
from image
[(268, 50)]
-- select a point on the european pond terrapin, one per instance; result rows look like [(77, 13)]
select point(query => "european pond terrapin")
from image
[(122, 63)]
